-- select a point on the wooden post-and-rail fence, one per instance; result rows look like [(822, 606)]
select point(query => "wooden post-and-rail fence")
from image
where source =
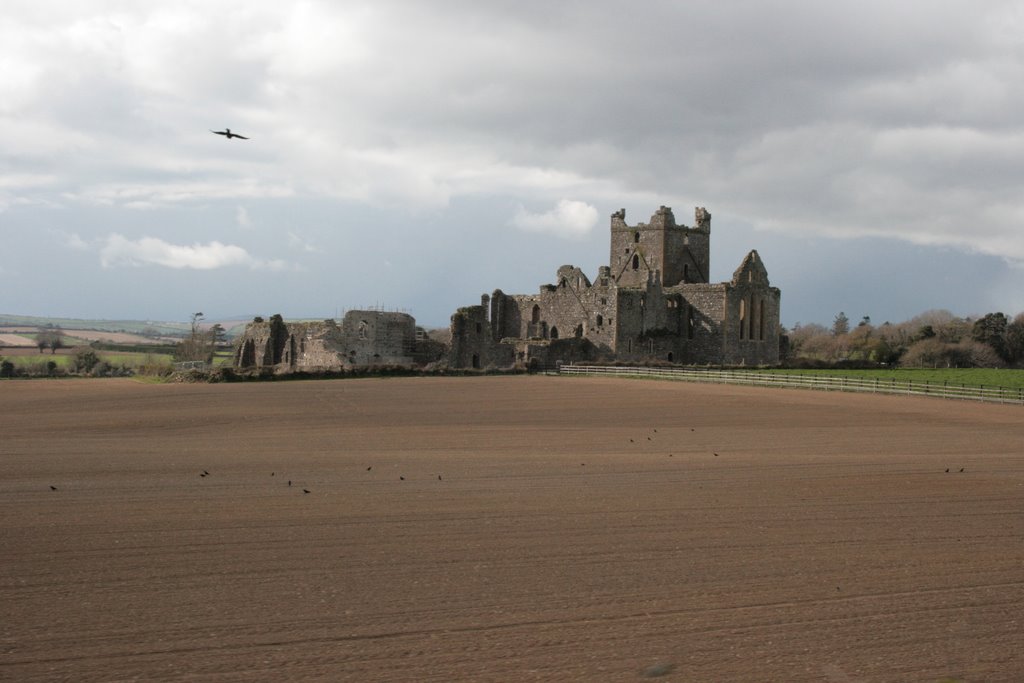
[(771, 379)]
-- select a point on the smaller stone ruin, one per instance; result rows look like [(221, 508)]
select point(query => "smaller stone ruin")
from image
[(364, 339)]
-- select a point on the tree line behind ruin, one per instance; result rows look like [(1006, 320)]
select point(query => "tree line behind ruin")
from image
[(933, 339)]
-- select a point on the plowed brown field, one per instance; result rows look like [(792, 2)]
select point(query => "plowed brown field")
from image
[(506, 529)]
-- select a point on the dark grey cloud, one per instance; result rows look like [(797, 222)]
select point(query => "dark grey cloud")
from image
[(808, 121)]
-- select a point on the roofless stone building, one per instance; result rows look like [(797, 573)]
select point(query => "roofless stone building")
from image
[(363, 339), (653, 301)]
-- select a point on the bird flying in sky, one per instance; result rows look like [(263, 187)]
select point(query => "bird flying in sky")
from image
[(227, 133)]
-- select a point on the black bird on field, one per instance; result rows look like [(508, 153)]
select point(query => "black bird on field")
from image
[(947, 469), (305, 490), (369, 468), (206, 473), (289, 482), (439, 477), (228, 134), (401, 477), (54, 488), (961, 469), (716, 455)]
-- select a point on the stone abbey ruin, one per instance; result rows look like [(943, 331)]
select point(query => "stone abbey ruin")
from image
[(652, 302)]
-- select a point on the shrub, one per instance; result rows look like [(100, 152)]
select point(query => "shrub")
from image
[(85, 359), (155, 370), (933, 353)]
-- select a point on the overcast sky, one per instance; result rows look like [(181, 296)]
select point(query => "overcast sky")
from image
[(414, 155)]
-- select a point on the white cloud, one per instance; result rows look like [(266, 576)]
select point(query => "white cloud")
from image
[(569, 218), (143, 195), (242, 217), (299, 244), (74, 241), (150, 251)]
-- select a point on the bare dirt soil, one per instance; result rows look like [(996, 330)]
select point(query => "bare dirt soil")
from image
[(506, 529), (15, 341)]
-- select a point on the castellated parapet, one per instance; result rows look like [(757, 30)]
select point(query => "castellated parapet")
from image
[(363, 339), (653, 301)]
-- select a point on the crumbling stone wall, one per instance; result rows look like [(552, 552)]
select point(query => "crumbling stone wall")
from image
[(705, 315), (473, 342), (364, 338), (378, 338)]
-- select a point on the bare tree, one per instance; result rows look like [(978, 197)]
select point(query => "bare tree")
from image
[(50, 337), (56, 340), (198, 345)]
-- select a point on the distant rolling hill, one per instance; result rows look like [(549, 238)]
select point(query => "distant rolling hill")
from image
[(234, 326)]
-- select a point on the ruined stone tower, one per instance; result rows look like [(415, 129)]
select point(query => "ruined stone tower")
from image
[(674, 254)]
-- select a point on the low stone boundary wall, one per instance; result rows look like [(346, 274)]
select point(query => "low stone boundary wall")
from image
[(186, 365)]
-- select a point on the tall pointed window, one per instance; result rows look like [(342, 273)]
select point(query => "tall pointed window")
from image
[(760, 334), (750, 321)]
